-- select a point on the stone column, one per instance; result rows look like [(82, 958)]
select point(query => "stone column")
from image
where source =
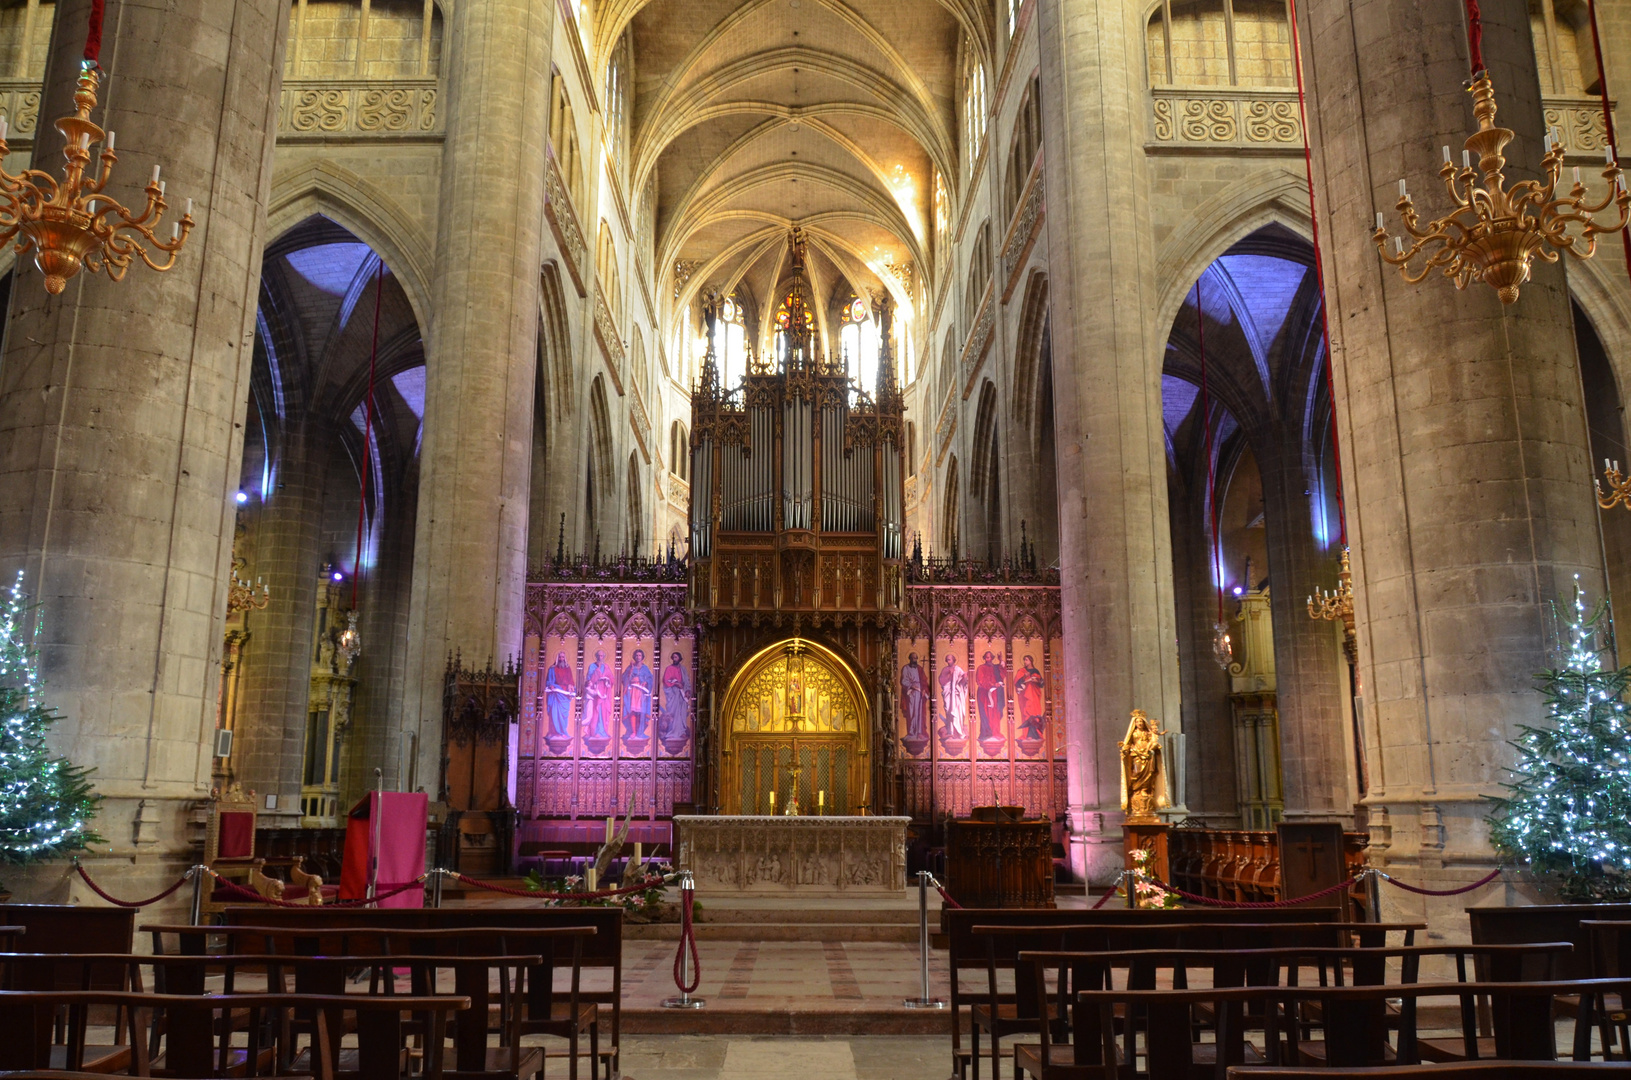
[(1465, 449), (286, 541), (1311, 675), (470, 545), (1114, 543), (121, 421)]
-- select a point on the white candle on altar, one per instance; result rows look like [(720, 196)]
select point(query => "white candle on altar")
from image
[(772, 796), (637, 853), (821, 802), (608, 830)]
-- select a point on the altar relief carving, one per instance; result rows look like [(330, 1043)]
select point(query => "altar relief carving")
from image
[(763, 854)]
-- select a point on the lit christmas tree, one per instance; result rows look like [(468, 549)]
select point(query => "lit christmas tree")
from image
[(1569, 813), (46, 802)]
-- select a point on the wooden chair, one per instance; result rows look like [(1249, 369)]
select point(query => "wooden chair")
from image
[(602, 953), (1473, 1070), (1610, 944), (540, 1008), (229, 846)]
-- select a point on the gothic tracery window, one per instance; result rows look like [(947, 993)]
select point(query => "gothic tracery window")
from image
[(617, 120), (974, 107), (1565, 57), (731, 341), (1025, 144), (858, 342), (345, 39)]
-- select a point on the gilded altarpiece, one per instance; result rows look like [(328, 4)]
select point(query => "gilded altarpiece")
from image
[(608, 701), (976, 699)]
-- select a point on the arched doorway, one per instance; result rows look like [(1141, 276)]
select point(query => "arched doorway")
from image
[(795, 701)]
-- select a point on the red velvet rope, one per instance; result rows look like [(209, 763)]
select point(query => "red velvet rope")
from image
[(1213, 901), (93, 35), (1475, 37), (239, 892), (1608, 114), (97, 889), (640, 886), (1319, 274), (1480, 883), (688, 940), (1105, 899), (946, 896)]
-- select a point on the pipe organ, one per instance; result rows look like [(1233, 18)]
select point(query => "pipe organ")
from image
[(797, 486)]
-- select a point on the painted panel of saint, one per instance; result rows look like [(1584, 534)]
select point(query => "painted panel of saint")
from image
[(1030, 697), (599, 694), (991, 685), (638, 687), (1056, 681), (951, 683), (913, 692), (558, 692), (531, 705), (677, 698)]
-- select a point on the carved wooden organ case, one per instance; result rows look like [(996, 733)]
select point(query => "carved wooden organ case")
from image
[(797, 517)]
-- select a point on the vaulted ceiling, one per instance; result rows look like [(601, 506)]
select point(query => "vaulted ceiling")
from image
[(754, 116)]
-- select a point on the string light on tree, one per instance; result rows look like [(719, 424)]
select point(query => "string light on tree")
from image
[(46, 802), (1569, 812)]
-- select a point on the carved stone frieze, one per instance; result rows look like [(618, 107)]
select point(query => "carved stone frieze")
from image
[(1023, 231), (563, 222), (611, 346), (1580, 122), (945, 428), (359, 107), (762, 854), (20, 104), (641, 423), (1221, 117), (979, 343)]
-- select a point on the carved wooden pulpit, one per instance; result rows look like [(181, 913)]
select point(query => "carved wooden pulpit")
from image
[(997, 858)]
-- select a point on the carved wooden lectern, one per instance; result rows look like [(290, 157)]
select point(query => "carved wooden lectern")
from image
[(997, 858)]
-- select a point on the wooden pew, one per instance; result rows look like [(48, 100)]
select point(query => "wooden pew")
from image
[(193, 1050), (1472, 1070), (1006, 931), (1353, 1025), (70, 928), (603, 951)]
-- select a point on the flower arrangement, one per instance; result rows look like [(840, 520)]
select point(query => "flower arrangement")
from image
[(1146, 892)]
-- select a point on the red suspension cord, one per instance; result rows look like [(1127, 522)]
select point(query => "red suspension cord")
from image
[(93, 35), (1475, 37), (1319, 276), (1211, 461), (1608, 114), (367, 435)]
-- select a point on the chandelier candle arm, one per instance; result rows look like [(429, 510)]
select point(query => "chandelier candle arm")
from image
[(1494, 234), (72, 226)]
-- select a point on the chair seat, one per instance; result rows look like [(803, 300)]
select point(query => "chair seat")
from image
[(1008, 1018), (497, 1067), (561, 1020), (1448, 1050), (1312, 1052), (1061, 1063), (98, 1059), (349, 1065), (237, 1065)]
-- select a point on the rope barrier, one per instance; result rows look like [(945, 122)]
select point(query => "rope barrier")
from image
[(1114, 885), (233, 889), (944, 895), (688, 941), (114, 900), (532, 894), (1480, 883)]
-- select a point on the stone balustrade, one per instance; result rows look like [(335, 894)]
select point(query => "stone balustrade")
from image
[(1226, 117), (366, 107)]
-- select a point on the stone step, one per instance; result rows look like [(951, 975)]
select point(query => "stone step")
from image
[(722, 1017), (782, 930)]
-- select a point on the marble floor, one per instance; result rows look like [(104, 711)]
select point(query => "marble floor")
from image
[(725, 1057)]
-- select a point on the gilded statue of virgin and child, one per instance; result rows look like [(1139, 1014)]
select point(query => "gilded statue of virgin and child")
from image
[(1143, 770)]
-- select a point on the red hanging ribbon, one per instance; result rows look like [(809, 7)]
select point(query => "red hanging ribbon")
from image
[(1608, 113), (1319, 275), (1475, 37), (93, 35)]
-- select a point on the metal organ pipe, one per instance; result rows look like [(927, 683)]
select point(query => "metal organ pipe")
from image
[(702, 499)]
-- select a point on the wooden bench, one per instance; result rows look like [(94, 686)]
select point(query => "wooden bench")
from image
[(1472, 1070), (602, 952), (199, 1038), (1004, 932), (1353, 1024)]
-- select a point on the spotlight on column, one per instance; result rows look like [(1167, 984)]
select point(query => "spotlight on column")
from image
[(242, 497), (338, 576)]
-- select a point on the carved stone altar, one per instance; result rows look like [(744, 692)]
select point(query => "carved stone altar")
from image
[(811, 855)]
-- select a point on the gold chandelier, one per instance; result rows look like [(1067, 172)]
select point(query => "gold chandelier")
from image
[(1334, 605), (1495, 234), (241, 595), (71, 225)]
